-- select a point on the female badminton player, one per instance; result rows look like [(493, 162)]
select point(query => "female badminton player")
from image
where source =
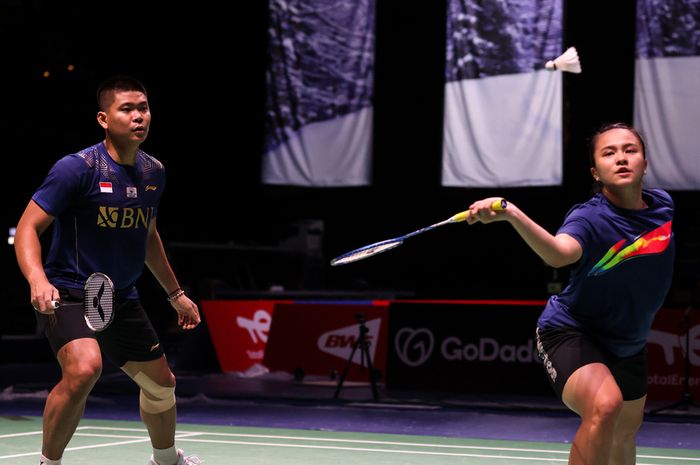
[(592, 336)]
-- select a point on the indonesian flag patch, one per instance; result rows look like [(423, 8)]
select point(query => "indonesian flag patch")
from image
[(106, 187)]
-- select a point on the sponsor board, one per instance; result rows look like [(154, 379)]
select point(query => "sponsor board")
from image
[(667, 354), (319, 338), (239, 330), (469, 348)]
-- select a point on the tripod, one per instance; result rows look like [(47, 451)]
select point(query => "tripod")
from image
[(363, 344), (686, 398)]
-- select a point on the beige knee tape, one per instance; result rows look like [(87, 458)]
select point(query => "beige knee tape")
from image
[(159, 399)]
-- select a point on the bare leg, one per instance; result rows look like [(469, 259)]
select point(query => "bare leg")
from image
[(592, 392), (81, 365), (161, 426), (624, 448)]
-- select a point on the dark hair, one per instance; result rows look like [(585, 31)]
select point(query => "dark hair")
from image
[(597, 185), (122, 83)]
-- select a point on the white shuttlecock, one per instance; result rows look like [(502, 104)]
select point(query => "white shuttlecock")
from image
[(567, 61)]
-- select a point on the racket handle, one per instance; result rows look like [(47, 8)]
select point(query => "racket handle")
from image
[(55, 304), (497, 205)]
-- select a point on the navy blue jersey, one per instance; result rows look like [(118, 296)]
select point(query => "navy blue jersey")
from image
[(625, 272), (102, 212)]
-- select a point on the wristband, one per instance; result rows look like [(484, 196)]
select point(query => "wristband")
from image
[(176, 294)]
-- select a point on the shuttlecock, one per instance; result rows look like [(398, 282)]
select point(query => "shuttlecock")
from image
[(567, 61)]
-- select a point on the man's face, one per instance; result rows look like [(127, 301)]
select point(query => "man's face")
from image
[(127, 118)]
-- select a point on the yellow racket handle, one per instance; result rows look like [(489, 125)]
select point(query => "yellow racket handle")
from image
[(497, 205)]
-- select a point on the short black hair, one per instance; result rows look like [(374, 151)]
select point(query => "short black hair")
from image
[(119, 82)]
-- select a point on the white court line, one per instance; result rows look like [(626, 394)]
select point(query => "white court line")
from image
[(368, 449), (113, 428), (360, 441), (410, 452), (96, 446), (15, 435), (102, 435), (690, 459), (389, 443)]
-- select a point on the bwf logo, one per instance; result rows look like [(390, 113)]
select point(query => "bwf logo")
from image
[(339, 342)]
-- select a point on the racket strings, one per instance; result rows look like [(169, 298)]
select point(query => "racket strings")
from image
[(99, 302), (365, 252)]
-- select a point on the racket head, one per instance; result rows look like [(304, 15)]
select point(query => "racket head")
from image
[(366, 252), (98, 301)]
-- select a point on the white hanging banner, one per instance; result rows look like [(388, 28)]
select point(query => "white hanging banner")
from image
[(503, 111), (320, 84), (667, 93)]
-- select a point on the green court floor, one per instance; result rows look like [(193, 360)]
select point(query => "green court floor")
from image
[(126, 442)]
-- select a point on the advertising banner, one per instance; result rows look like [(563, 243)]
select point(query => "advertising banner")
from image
[(318, 339), (668, 355), (467, 348), (239, 330)]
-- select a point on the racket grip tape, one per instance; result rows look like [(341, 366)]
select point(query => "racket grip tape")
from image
[(497, 205)]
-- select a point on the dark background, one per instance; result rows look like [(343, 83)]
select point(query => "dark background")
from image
[(204, 64)]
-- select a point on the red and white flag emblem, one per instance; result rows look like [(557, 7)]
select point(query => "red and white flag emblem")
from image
[(106, 187)]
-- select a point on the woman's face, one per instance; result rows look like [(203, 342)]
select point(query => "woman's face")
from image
[(619, 159)]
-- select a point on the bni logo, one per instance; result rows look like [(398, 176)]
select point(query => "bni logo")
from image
[(339, 342)]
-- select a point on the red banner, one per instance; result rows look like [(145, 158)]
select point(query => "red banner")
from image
[(318, 338), (239, 330), (667, 354)]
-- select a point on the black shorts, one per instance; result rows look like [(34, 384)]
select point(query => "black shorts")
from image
[(564, 350), (130, 336)]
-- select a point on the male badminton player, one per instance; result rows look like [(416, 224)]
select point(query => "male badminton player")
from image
[(592, 336), (103, 202)]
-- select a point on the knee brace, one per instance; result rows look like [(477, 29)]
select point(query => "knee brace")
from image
[(159, 399)]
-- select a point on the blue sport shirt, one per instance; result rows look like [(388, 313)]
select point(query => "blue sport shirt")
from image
[(102, 212), (622, 279)]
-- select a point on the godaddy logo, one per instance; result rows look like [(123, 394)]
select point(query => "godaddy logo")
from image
[(414, 346)]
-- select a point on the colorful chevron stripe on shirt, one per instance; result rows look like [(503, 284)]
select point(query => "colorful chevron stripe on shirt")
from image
[(652, 242)]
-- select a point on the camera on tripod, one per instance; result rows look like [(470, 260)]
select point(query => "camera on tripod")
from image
[(362, 343)]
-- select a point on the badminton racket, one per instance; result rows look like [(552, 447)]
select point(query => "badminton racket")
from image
[(382, 246), (99, 301)]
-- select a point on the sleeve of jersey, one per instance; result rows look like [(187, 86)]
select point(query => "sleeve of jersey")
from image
[(664, 198), (577, 225), (60, 186)]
